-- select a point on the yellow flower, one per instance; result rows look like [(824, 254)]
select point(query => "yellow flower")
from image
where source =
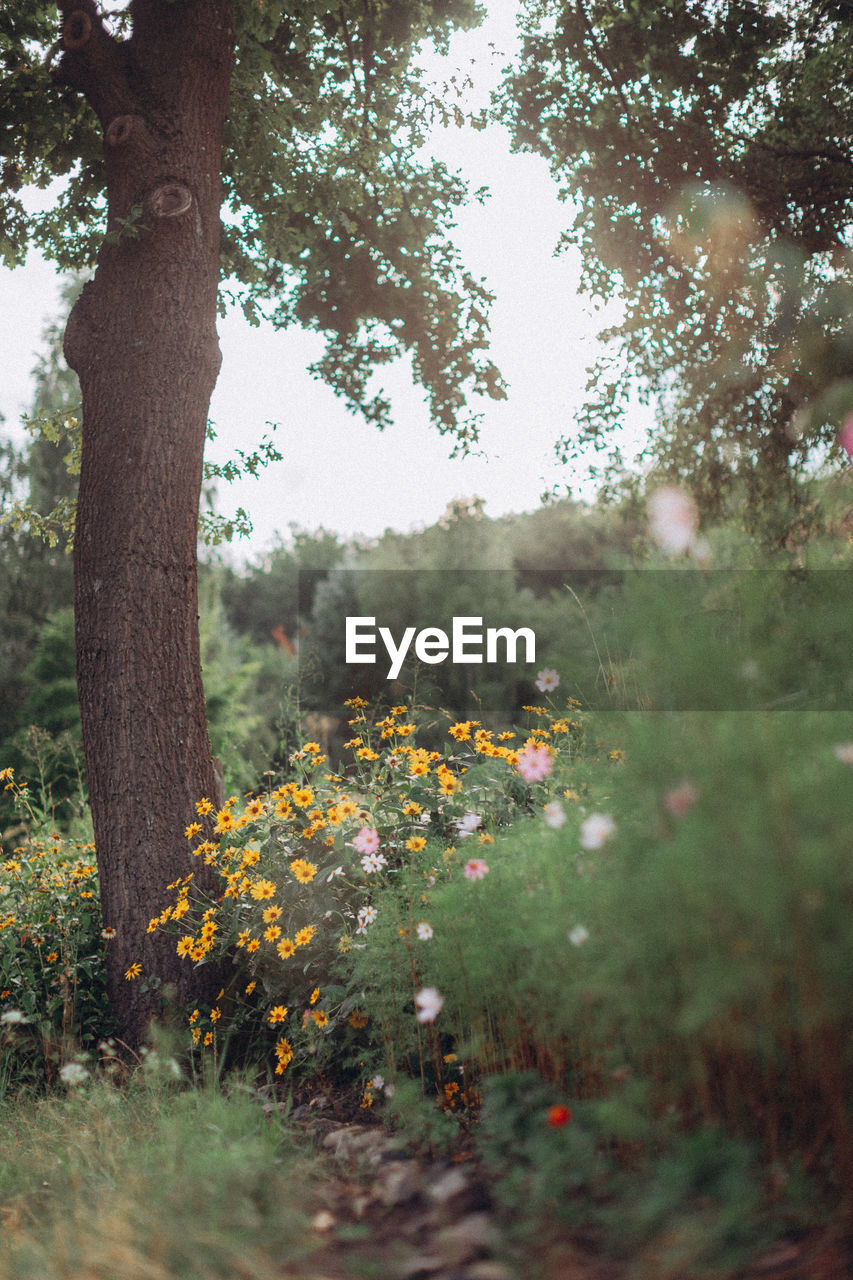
[(286, 948), (253, 945), (243, 938), (250, 988), (204, 806), (284, 1054), (365, 753), (283, 809), (416, 843), (208, 1039), (272, 932), (278, 1014), (196, 1034), (192, 830), (305, 935), (357, 1019), (320, 1018), (224, 821), (262, 889), (411, 808), (271, 913), (193, 1016), (185, 946), (215, 1015), (303, 796), (315, 996), (303, 871)]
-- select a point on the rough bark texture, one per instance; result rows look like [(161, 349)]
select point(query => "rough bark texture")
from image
[(142, 339)]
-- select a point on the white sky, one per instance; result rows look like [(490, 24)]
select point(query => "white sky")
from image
[(338, 471)]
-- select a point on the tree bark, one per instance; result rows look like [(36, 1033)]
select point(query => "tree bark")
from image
[(142, 339)]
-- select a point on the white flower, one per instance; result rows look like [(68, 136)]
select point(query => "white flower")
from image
[(547, 680), (377, 1082), (554, 814), (673, 518), (428, 1003), (595, 830), (12, 1017), (468, 823), (579, 935), (424, 931), (843, 751), (374, 861), (73, 1074), (366, 916), (338, 871), (390, 1090)]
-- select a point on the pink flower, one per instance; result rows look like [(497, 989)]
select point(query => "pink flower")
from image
[(428, 1004), (681, 799), (547, 680), (673, 519), (535, 761), (367, 840), (476, 869), (845, 435)]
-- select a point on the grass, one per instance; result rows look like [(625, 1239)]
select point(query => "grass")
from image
[(150, 1182)]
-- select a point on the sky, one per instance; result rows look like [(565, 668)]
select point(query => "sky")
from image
[(339, 472)]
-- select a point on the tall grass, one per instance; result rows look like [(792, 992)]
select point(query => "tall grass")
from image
[(146, 1183)]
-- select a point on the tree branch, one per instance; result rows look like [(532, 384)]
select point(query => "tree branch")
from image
[(93, 61)]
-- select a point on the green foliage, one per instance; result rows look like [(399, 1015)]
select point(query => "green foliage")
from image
[(711, 182), (52, 973)]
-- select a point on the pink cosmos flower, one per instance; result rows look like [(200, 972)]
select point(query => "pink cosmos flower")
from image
[(476, 869), (367, 840), (681, 799), (535, 761), (547, 680), (428, 1004), (673, 519)]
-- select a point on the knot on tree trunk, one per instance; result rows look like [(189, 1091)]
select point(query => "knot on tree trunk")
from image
[(120, 130), (170, 200), (76, 29)]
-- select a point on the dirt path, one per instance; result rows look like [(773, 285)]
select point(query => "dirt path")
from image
[(385, 1214)]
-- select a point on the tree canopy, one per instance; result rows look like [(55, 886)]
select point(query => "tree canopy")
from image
[(707, 151), (334, 217)]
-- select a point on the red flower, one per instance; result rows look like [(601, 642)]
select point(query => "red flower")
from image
[(559, 1116)]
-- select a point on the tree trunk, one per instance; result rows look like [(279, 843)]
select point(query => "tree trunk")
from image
[(142, 339)]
